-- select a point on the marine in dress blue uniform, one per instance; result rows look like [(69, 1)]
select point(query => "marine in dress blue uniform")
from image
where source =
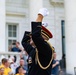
[(40, 56)]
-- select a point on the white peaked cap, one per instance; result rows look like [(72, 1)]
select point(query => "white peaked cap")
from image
[(45, 24)]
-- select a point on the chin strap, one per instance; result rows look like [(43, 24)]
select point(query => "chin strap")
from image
[(37, 59)]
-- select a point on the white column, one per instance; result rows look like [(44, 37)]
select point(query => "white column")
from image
[(70, 35), (2, 25), (35, 5)]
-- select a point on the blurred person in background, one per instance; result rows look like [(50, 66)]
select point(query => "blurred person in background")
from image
[(2, 62), (22, 64), (6, 66), (25, 57), (63, 64), (55, 65), (1, 71), (13, 65), (16, 47), (20, 71)]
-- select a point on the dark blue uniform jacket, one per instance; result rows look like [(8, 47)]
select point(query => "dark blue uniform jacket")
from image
[(44, 50)]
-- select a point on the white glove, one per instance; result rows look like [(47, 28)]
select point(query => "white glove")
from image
[(43, 11)]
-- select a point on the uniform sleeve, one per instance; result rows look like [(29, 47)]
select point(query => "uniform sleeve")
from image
[(40, 43), (25, 42)]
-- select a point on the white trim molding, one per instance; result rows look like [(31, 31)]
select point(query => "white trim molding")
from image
[(57, 2), (15, 14)]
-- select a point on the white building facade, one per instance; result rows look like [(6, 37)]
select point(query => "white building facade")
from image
[(16, 17)]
